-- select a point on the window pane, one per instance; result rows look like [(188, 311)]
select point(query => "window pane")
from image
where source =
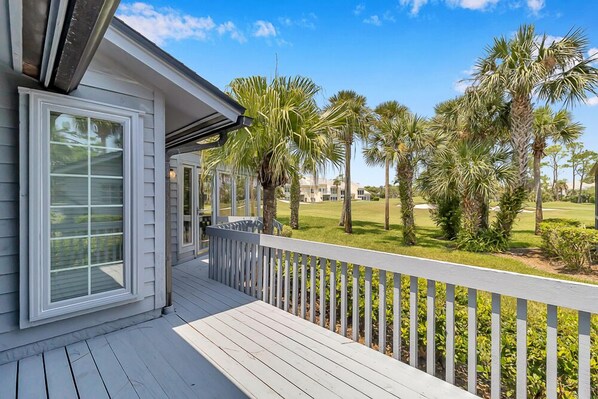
[(187, 205), (68, 190), (241, 195), (253, 204), (106, 249), (107, 278), (106, 220), (68, 159), (205, 193), (224, 194), (106, 162), (106, 191), (106, 134), (65, 128), (70, 252), (65, 222), (69, 284)]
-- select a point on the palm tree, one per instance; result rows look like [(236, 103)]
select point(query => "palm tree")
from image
[(573, 150), (556, 127), (337, 183), (380, 147), (355, 128), (529, 66), (555, 155), (409, 137), (288, 130)]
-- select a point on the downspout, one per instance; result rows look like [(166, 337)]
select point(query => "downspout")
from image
[(242, 121)]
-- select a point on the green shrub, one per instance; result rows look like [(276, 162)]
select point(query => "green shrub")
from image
[(488, 240), (569, 242), (374, 198), (447, 216), (286, 231)]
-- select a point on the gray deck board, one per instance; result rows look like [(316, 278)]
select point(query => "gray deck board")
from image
[(219, 343), (59, 378)]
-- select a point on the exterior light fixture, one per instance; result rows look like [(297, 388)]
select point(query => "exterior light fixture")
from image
[(172, 174)]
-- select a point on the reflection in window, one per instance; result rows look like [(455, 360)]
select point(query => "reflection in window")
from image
[(187, 205), (86, 206), (253, 202), (240, 195), (224, 194)]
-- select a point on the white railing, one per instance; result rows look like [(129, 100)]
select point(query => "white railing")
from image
[(295, 275)]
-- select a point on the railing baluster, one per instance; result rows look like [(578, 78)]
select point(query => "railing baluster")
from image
[(312, 289), (332, 295), (551, 352), (396, 317), (303, 286), (355, 318), (382, 311), (495, 338), (521, 348), (344, 299), (254, 269), (413, 337), (273, 253), (584, 389), (431, 328), (265, 269), (237, 266), (258, 277), (472, 332), (368, 307), (248, 268), (286, 281), (323, 262), (279, 280), (295, 283), (450, 333)]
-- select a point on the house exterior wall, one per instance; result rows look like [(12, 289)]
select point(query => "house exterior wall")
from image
[(325, 190), (109, 88)]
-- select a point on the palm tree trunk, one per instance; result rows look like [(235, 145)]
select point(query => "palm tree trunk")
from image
[(269, 207), (295, 197), (386, 195), (522, 117), (348, 222), (538, 188), (573, 165), (405, 177)]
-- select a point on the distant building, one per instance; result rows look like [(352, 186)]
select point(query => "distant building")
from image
[(318, 190)]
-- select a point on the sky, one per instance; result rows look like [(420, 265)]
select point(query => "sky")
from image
[(414, 51)]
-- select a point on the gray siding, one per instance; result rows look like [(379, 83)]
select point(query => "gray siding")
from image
[(110, 89)]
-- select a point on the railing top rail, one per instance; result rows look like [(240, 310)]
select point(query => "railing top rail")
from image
[(568, 294)]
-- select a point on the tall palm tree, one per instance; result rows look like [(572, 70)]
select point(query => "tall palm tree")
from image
[(288, 130), (557, 127), (529, 66), (379, 149), (338, 180), (355, 128)]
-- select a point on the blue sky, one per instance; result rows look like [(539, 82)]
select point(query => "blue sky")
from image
[(413, 51)]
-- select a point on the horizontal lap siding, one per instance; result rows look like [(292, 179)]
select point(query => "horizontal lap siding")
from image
[(102, 88)]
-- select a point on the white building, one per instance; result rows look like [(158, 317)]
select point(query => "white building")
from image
[(320, 189)]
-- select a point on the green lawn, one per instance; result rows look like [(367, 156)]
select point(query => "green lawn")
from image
[(319, 222)]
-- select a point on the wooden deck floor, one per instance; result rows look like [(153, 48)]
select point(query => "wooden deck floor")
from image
[(219, 343)]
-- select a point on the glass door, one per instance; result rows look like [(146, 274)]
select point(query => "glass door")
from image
[(204, 208)]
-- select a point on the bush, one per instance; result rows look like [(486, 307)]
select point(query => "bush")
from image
[(374, 198), (447, 216), (286, 231), (488, 240), (570, 242)]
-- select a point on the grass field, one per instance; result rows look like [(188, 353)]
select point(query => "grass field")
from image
[(319, 222)]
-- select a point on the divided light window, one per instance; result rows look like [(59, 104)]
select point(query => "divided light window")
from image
[(85, 206)]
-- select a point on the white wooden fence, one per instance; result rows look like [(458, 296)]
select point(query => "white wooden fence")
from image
[(283, 272)]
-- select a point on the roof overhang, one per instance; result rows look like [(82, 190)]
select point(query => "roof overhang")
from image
[(195, 109), (54, 41)]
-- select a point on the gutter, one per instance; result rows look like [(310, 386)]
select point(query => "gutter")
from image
[(241, 122)]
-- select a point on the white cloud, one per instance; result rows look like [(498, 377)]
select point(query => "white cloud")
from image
[(162, 24), (264, 29), (306, 21), (415, 5), (472, 4), (535, 5), (233, 32), (373, 20), (359, 9), (388, 17), (592, 101), (460, 86)]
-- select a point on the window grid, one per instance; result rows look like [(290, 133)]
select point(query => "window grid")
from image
[(89, 207)]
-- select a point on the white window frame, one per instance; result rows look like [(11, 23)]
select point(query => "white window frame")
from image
[(181, 182), (41, 309)]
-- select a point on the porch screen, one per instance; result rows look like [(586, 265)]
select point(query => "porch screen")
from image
[(86, 206)]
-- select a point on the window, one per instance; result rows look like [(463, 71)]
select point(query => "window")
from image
[(84, 179), (225, 198), (187, 213)]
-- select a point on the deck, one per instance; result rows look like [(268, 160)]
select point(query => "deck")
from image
[(218, 343)]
